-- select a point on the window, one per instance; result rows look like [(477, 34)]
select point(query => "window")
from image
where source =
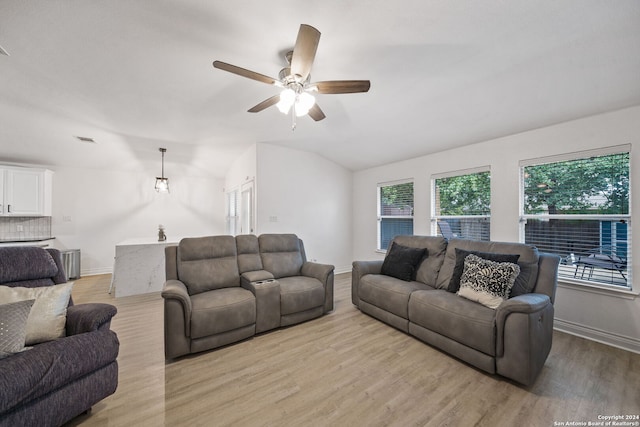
[(461, 204), (578, 207), (395, 211)]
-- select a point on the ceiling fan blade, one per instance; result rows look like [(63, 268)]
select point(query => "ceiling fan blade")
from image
[(316, 113), (245, 73), (342, 86), (304, 51), (265, 104)]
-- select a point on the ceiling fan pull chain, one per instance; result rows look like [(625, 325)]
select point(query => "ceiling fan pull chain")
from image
[(293, 117)]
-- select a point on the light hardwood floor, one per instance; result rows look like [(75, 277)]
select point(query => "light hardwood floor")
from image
[(344, 369)]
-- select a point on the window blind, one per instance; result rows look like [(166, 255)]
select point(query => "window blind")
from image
[(395, 211), (461, 205), (580, 210)]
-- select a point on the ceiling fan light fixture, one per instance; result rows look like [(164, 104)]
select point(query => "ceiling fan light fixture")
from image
[(304, 102), (287, 99)]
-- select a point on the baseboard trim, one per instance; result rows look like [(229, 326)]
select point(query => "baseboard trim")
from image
[(598, 335), (343, 269), (96, 271)]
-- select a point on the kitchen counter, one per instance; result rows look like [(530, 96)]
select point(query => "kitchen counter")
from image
[(139, 266), (42, 242)]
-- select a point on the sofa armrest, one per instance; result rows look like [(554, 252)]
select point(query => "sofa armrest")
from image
[(255, 276), (177, 291), (324, 273), (317, 271), (524, 326), (89, 317), (362, 268)]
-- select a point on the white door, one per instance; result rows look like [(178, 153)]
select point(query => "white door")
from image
[(247, 209)]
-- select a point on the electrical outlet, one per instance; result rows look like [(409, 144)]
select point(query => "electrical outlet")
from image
[(20, 228), (66, 218), (273, 218)]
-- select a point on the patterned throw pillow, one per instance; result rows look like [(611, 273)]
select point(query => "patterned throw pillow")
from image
[(487, 282), (13, 326), (49, 313)]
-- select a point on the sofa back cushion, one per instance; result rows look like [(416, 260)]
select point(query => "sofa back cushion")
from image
[(26, 264), (436, 246), (208, 263), (248, 253), (281, 254), (527, 261)]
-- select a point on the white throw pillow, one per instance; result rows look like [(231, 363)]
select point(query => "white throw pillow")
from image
[(487, 282), (48, 314)]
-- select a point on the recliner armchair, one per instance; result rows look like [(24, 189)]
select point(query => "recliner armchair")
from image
[(223, 289)]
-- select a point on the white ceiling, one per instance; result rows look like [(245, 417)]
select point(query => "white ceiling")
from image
[(137, 75)]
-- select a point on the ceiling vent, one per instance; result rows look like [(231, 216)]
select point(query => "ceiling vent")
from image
[(86, 139), (3, 52)]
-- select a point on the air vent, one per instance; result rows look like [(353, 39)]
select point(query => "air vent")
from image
[(86, 139), (3, 52)]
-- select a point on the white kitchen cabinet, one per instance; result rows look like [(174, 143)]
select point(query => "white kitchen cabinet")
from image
[(25, 191)]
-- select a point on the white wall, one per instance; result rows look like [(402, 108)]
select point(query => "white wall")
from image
[(242, 170), (302, 193), (93, 210), (602, 316)]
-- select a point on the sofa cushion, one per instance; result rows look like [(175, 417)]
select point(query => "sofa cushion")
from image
[(49, 311), (27, 263), (436, 246), (401, 261), (207, 263), (281, 254), (388, 293), (221, 310), (300, 293), (461, 254), (248, 253), (457, 318), (487, 282), (13, 326), (528, 261), (47, 367)]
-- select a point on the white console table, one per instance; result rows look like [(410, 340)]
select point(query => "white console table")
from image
[(139, 266)]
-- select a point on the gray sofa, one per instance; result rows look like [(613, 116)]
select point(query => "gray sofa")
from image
[(54, 381), (512, 340), (223, 289)]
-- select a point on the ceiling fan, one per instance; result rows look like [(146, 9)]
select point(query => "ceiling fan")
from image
[(295, 80)]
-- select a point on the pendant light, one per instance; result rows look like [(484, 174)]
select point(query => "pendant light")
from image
[(162, 183)]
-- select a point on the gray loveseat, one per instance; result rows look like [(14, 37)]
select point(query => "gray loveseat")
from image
[(54, 381), (512, 340), (223, 289)]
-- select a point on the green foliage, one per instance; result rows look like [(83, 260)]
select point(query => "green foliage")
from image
[(598, 185), (399, 196), (465, 194)]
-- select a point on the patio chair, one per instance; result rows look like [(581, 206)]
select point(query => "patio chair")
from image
[(603, 257), (445, 230)]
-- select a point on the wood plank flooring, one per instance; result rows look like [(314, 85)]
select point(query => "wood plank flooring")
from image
[(344, 369)]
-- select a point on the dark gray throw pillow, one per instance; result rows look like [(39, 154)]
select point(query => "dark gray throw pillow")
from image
[(401, 261), (461, 254)]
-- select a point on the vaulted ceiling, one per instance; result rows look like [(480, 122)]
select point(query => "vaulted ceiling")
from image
[(137, 75)]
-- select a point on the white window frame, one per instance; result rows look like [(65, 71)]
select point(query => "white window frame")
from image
[(564, 277), (380, 217), (435, 218)]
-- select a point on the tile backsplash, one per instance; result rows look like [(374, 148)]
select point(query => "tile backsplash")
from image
[(25, 228)]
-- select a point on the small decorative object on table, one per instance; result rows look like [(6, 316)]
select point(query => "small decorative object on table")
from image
[(161, 236)]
